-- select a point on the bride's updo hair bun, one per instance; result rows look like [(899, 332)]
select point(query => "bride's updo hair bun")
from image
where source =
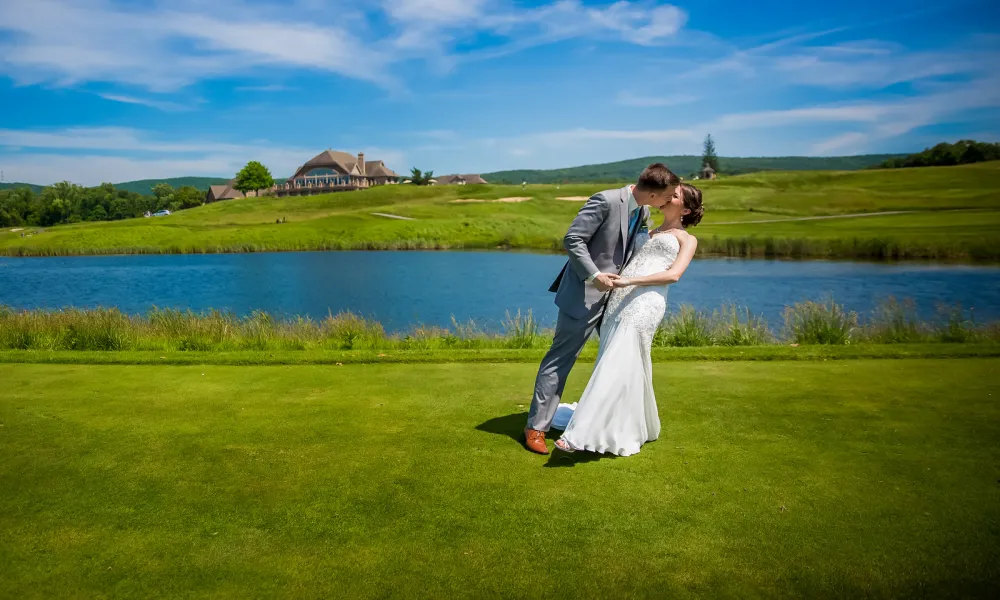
[(692, 202)]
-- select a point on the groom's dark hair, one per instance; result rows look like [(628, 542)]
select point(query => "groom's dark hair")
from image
[(656, 178)]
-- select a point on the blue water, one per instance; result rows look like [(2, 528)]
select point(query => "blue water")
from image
[(402, 289)]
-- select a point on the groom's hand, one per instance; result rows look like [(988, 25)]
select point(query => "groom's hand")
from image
[(605, 282)]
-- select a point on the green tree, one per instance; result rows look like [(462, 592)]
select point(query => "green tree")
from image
[(254, 176), (708, 156), (419, 178), (99, 213), (189, 197), (119, 209), (164, 193), (962, 152), (17, 204)]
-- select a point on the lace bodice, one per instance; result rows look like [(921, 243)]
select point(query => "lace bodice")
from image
[(651, 255)]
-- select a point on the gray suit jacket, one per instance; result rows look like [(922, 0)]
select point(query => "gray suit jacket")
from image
[(597, 240)]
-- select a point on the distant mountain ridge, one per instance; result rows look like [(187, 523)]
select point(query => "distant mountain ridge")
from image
[(17, 184), (141, 186), (623, 170), (685, 166), (145, 186)]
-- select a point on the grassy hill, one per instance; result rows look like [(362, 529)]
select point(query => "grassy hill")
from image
[(627, 170), (944, 212)]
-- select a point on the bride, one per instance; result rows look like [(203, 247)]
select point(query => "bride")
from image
[(617, 413)]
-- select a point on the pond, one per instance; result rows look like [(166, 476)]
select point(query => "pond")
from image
[(403, 289)]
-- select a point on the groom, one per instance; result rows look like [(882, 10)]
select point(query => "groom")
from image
[(599, 242)]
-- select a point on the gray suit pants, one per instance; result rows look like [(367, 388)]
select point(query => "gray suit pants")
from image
[(571, 335)]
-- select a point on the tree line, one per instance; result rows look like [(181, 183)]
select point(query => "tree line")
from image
[(962, 152), (66, 202)]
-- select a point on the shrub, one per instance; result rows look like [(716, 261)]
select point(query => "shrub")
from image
[(740, 328), (894, 322), (819, 323), (347, 331), (521, 331), (99, 329), (955, 328), (688, 327)]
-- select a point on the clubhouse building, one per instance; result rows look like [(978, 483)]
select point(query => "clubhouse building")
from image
[(334, 171)]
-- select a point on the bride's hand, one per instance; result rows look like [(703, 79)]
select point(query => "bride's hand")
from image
[(621, 282)]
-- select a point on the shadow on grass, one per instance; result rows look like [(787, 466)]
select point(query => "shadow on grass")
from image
[(558, 458), (512, 426)]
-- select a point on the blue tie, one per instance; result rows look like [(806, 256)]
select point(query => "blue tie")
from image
[(634, 222)]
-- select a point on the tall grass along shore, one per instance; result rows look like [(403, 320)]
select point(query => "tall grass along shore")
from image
[(807, 323), (942, 213)]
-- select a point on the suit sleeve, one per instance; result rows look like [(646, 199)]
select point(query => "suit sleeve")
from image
[(586, 223)]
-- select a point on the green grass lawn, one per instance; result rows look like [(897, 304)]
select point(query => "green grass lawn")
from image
[(345, 220), (852, 478)]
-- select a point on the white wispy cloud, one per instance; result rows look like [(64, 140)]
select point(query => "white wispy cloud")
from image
[(91, 155), (263, 88), (168, 45), (627, 98), (862, 125), (163, 105), (855, 64), (875, 65), (839, 144)]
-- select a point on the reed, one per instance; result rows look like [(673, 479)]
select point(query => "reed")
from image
[(895, 322), (736, 327), (689, 327), (522, 331), (819, 323), (807, 323)]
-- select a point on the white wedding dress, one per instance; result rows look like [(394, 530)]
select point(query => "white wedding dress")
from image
[(617, 412)]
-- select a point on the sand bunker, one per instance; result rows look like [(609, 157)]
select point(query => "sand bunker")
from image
[(482, 201), (574, 198)]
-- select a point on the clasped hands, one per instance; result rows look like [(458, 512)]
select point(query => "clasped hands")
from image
[(605, 282)]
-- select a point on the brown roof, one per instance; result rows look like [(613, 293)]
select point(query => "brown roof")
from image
[(378, 169), (224, 192), (341, 162), (330, 157), (470, 179)]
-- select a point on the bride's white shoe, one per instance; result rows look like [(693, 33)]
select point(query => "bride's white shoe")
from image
[(564, 445)]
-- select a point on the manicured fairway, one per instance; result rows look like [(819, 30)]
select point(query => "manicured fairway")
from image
[(955, 214), (849, 478)]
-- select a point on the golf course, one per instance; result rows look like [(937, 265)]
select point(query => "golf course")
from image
[(809, 479), (213, 454), (920, 213)]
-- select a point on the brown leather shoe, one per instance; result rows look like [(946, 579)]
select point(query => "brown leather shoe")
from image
[(534, 440)]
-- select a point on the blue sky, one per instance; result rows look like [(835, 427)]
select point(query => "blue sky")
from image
[(114, 90)]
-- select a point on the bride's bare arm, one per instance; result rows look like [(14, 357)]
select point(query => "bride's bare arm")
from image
[(688, 244)]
